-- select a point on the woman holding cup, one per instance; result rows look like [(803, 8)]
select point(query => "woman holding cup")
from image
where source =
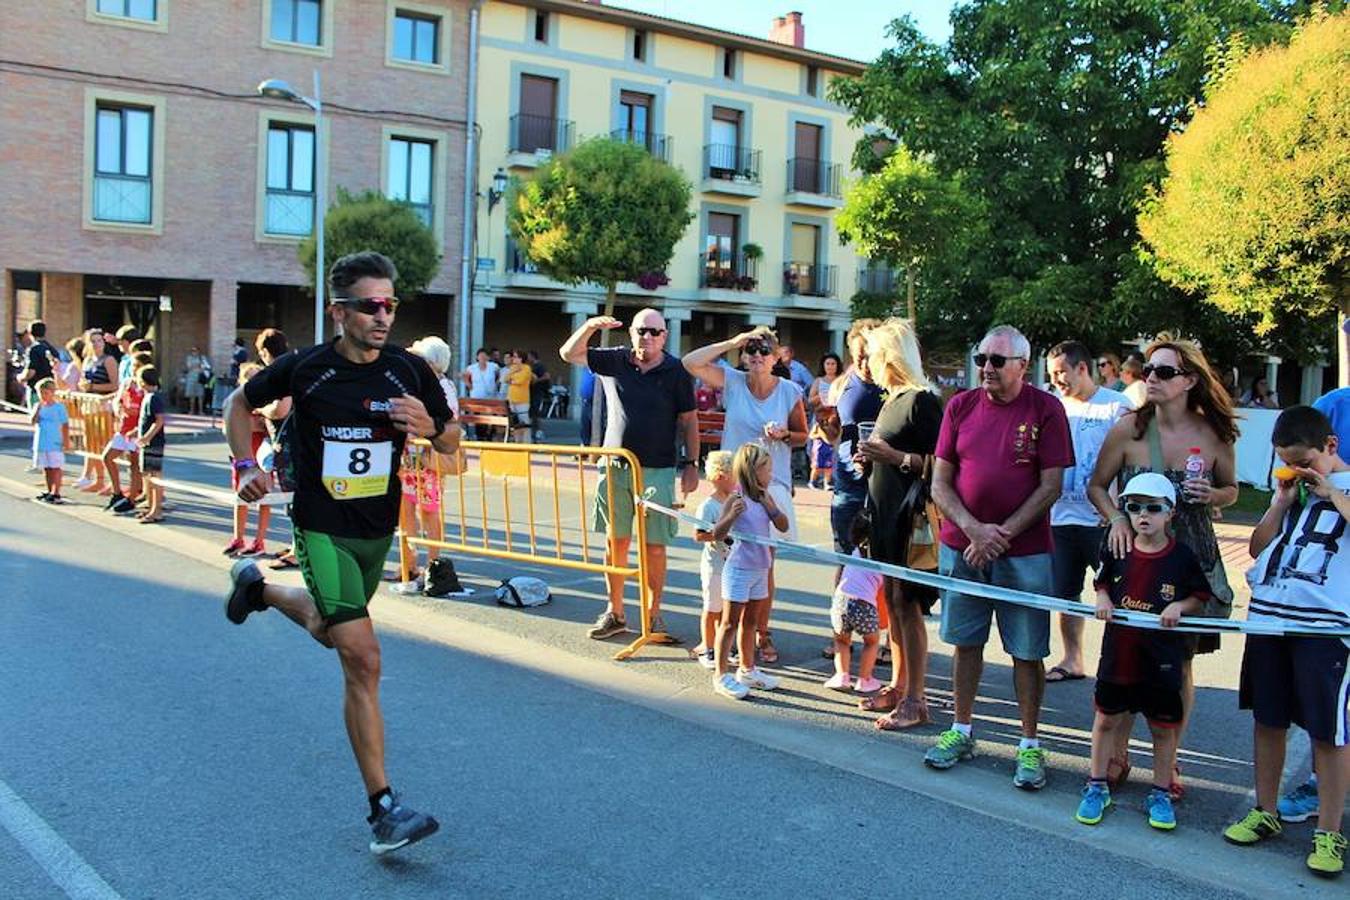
[(760, 407)]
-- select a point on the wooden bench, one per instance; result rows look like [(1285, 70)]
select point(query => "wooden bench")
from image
[(710, 427), (491, 413)]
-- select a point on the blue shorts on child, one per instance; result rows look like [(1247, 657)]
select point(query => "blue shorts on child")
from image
[(1299, 680), (742, 585)]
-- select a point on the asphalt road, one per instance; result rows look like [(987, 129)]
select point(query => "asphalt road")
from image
[(150, 749)]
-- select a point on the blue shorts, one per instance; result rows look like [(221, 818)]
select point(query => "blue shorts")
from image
[(965, 617), (744, 585)]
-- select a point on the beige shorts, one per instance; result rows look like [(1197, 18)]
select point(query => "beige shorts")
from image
[(782, 498)]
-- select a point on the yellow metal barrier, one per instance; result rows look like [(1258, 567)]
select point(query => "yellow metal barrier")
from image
[(92, 421), (544, 473)]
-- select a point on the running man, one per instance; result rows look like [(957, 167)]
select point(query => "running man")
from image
[(356, 400)]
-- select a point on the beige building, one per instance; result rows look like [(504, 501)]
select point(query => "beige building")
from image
[(146, 182), (745, 119)]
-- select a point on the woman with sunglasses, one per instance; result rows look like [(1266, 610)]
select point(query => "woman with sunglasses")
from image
[(762, 407), (1187, 413)]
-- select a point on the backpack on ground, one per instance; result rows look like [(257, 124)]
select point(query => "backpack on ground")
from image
[(442, 581), (523, 591)]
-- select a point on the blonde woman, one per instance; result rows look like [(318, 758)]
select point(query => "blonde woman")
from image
[(896, 454)]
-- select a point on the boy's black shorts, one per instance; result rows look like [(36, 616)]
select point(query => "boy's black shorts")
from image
[(1299, 680), (152, 459), (1160, 704)]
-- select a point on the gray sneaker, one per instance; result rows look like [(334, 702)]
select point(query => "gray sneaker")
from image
[(607, 625), (952, 746), (398, 827), (245, 595), (1030, 775)]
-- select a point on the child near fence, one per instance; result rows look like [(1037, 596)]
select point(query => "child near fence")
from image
[(717, 469), (237, 546), (745, 578), (853, 608), (150, 438), (1141, 668), (1300, 578), (127, 416), (820, 446), (52, 439)]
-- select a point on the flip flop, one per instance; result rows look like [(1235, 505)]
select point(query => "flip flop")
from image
[(284, 562), (1064, 675)]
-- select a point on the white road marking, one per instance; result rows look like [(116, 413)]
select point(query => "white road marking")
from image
[(63, 865)]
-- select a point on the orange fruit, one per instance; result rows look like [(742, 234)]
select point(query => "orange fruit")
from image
[(1284, 473)]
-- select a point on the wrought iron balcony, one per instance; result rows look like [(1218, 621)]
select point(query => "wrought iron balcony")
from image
[(658, 145), (731, 272), (813, 176), (530, 134), (731, 163), (809, 279)]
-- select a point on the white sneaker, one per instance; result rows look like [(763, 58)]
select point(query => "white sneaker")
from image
[(82, 484), (839, 681), (728, 686), (707, 660), (754, 678), (409, 588)]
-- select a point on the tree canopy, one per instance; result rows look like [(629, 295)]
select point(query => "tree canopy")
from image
[(605, 212), (1055, 115), (1254, 214), (371, 221), (911, 217)]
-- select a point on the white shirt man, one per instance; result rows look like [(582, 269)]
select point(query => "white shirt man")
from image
[(1074, 521), (482, 378)]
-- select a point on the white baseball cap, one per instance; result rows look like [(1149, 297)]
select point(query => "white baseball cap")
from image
[(1151, 484)]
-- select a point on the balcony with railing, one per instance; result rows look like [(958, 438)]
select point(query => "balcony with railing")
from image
[(814, 182), (809, 279), (729, 169), (536, 138), (877, 278), (520, 271), (724, 276), (658, 145)]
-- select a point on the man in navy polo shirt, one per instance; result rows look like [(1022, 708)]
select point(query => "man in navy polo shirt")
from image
[(649, 403)]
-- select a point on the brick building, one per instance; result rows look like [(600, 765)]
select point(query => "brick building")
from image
[(146, 182)]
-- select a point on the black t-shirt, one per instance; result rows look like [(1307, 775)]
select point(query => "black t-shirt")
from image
[(152, 406), (1148, 582), (642, 407), (345, 449), (40, 355)]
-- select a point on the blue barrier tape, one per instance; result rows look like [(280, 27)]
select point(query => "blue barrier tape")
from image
[(1190, 624)]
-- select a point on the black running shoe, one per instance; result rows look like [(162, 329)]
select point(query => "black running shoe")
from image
[(398, 827), (244, 597), (113, 501), (123, 505)]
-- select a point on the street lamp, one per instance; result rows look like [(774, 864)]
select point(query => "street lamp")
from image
[(276, 89), (498, 189)]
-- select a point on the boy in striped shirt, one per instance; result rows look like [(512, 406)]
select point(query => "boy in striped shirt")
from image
[(1300, 579)]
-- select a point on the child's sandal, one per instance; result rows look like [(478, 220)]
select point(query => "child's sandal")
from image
[(768, 654), (1117, 770)]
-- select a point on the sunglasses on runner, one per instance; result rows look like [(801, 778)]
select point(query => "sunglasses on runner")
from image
[(369, 305), (1134, 508), (1164, 373), (996, 360), (757, 348), (649, 332)]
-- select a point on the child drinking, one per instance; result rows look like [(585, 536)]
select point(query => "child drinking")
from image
[(53, 439), (1141, 669), (854, 608), (717, 469), (745, 578)]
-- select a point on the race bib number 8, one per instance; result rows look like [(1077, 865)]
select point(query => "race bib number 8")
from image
[(354, 471)]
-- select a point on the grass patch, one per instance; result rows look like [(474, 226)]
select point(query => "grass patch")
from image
[(1250, 506)]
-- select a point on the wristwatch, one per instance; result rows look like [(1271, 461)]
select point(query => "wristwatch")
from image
[(686, 462), (440, 428)]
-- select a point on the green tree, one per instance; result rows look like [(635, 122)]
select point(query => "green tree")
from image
[(607, 211), (1055, 115), (910, 217), (1254, 215), (371, 221)]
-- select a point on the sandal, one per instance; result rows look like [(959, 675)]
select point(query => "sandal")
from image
[(1176, 790), (909, 714), (768, 654), (884, 700), (285, 561), (1117, 770)]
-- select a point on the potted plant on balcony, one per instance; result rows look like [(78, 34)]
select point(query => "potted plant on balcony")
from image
[(752, 251)]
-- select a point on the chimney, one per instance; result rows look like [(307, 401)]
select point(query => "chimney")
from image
[(788, 30)]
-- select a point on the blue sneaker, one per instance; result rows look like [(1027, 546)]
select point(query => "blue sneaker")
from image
[(1300, 804), (1160, 813), (1096, 800)]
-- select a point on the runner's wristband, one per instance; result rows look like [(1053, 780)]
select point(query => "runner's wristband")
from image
[(240, 465)]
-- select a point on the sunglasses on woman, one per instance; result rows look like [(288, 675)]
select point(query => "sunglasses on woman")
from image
[(755, 348), (996, 360), (1134, 508), (1164, 373), (369, 305)]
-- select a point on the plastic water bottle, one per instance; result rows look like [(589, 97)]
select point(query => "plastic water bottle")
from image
[(1195, 464)]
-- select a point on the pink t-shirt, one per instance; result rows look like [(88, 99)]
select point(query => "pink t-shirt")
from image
[(999, 450)]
